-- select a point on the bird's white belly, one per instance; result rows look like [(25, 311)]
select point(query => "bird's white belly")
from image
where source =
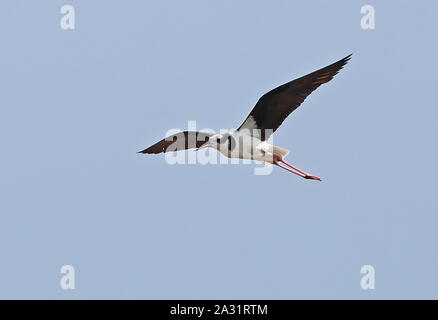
[(247, 147)]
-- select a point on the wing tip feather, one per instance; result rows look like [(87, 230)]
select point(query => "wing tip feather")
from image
[(345, 60)]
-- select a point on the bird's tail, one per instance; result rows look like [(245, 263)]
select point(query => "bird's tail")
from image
[(280, 152)]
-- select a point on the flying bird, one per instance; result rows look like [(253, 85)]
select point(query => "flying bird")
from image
[(249, 141)]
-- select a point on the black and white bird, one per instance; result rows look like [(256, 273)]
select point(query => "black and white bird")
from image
[(249, 141)]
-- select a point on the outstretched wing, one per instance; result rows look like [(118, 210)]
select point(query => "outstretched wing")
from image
[(274, 106), (179, 141)]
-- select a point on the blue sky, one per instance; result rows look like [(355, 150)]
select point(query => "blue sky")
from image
[(76, 106)]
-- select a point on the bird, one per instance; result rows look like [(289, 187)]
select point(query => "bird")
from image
[(249, 141)]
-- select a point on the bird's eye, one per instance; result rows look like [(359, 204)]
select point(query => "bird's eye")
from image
[(218, 140)]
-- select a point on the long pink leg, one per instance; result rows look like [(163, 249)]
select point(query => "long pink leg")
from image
[(304, 174), (285, 168)]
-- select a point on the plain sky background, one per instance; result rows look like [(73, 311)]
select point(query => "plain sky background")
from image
[(76, 106)]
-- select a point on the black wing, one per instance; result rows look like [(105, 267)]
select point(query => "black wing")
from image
[(179, 141), (274, 106)]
